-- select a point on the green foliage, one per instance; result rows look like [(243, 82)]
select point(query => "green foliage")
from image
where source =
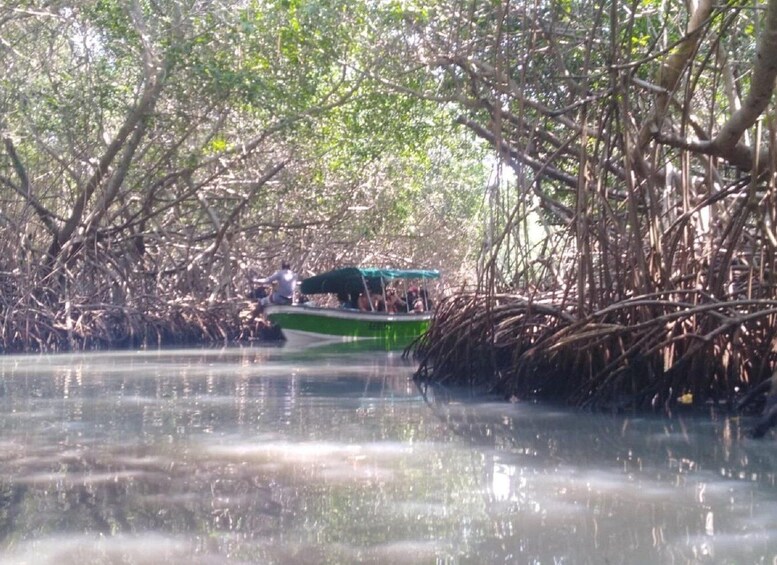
[(323, 93)]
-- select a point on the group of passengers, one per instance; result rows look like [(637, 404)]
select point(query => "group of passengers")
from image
[(374, 300)]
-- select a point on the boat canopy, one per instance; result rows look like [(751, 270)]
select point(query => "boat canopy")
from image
[(352, 279)]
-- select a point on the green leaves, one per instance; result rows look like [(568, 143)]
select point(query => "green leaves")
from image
[(222, 129)]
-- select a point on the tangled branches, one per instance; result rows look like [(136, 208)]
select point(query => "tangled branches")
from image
[(646, 351), (94, 327), (48, 324)]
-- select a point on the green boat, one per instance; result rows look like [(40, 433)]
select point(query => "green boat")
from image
[(309, 323)]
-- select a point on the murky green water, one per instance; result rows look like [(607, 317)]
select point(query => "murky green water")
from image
[(274, 456)]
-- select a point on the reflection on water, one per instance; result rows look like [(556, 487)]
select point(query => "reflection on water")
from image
[(276, 456)]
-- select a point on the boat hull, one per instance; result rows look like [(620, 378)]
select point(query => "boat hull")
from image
[(305, 324)]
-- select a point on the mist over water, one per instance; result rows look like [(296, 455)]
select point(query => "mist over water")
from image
[(268, 455)]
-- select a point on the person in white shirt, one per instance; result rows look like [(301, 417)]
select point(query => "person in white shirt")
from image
[(285, 280)]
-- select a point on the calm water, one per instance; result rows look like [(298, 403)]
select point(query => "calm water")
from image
[(275, 456)]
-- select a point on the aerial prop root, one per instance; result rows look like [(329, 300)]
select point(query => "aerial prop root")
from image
[(630, 352)]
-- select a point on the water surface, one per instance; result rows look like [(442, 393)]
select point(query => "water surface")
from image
[(278, 456)]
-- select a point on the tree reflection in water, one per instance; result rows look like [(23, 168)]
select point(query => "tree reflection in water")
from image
[(276, 456), (625, 488)]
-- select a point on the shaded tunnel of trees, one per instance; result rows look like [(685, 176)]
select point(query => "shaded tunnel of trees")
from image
[(595, 180)]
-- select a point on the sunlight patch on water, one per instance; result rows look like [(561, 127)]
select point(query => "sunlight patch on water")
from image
[(143, 461), (70, 479), (30, 415), (316, 451), (138, 400), (149, 549), (329, 461), (287, 451)]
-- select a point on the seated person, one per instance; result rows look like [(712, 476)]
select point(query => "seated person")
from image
[(378, 302), (344, 300), (394, 303), (410, 297), (422, 302), (424, 296), (286, 281), (372, 301), (363, 303)]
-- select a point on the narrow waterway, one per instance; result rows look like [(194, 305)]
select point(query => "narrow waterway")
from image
[(269, 455)]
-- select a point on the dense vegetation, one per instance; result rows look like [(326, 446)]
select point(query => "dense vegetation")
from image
[(633, 262), (157, 154)]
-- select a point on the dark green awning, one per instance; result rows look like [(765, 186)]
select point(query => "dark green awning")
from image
[(351, 279)]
